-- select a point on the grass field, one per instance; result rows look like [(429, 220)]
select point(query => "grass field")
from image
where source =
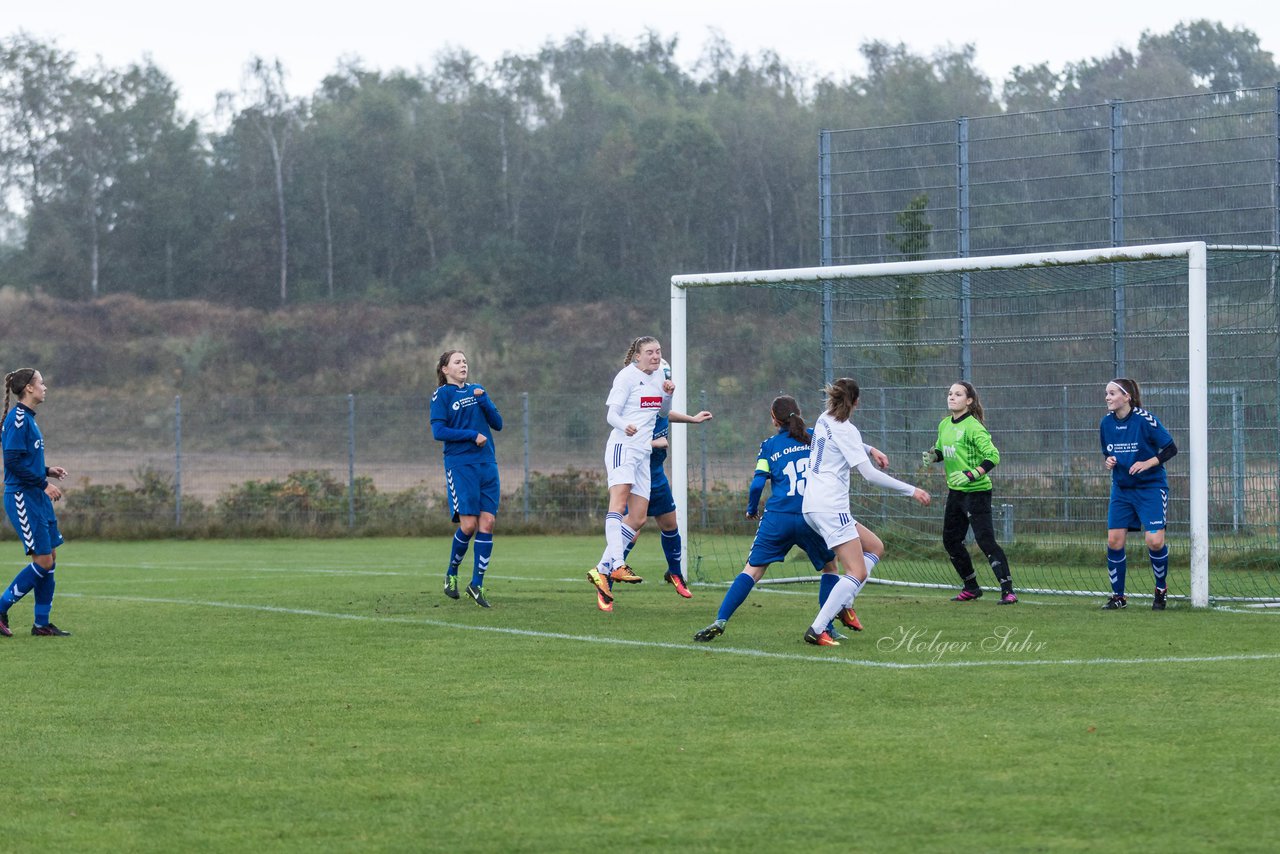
[(322, 695)]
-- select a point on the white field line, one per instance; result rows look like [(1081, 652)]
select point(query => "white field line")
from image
[(688, 647)]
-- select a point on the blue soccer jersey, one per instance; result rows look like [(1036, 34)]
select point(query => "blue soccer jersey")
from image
[(1137, 436), (782, 463), (458, 415), (24, 467)]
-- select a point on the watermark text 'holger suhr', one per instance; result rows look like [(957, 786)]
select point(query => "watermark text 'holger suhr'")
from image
[(1002, 640)]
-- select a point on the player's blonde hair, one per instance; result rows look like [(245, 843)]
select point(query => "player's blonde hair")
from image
[(14, 383), (444, 360), (635, 348), (842, 396)]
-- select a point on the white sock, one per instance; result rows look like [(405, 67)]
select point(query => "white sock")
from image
[(842, 596), (613, 542)]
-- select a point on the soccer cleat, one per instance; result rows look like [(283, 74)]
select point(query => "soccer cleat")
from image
[(823, 639), (835, 633), (49, 631), (603, 604), (1008, 599), (1115, 603), (672, 578), (477, 593), (4, 625), (850, 619), (968, 594), (601, 584), (451, 586), (711, 632), (1158, 603), (623, 573)]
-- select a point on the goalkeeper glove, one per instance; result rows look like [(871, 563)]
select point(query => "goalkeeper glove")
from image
[(960, 478), (930, 456)]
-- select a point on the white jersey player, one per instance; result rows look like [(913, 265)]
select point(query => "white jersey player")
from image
[(640, 393), (837, 449)]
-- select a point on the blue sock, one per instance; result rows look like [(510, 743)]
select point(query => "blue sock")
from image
[(23, 583), (483, 549), (1117, 565), (826, 583), (626, 551), (1160, 565), (671, 547), (44, 596), (736, 595), (460, 541)]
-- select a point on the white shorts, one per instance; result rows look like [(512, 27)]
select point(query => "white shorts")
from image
[(628, 465), (836, 529)]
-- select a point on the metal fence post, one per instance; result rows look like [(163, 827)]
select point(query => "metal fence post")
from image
[(351, 460), (1066, 457), (177, 461), (827, 252), (702, 449), (962, 245), (524, 412), (1117, 233)]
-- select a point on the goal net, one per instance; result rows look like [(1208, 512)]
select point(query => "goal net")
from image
[(1039, 335)]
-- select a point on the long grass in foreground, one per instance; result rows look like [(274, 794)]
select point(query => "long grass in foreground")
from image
[(324, 695)]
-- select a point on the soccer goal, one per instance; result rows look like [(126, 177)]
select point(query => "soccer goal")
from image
[(1039, 335)]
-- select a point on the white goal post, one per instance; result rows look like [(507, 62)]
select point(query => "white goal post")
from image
[(1195, 254)]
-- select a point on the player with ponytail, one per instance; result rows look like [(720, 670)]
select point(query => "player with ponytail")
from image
[(1135, 447), (462, 417), (782, 464), (965, 448), (640, 393), (838, 449), (28, 500)]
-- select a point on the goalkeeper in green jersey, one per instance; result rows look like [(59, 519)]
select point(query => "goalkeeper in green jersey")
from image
[(964, 446)]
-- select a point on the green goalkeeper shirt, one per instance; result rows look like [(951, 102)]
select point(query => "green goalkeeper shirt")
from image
[(965, 445)]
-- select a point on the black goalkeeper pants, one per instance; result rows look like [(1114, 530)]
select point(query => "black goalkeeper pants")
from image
[(967, 510)]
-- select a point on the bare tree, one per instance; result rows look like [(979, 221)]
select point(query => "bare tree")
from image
[(275, 116)]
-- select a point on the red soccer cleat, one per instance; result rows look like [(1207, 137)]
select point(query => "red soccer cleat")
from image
[(819, 639), (672, 578), (850, 619)]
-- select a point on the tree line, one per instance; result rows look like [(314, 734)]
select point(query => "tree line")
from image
[(586, 170)]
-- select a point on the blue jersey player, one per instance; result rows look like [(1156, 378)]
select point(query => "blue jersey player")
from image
[(28, 500), (463, 416), (782, 464), (1136, 446)]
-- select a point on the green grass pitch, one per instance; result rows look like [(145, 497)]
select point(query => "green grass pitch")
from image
[(323, 695)]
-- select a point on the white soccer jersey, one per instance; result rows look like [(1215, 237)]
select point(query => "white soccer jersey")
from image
[(836, 448), (642, 399)]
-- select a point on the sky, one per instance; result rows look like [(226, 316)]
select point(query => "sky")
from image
[(204, 47)]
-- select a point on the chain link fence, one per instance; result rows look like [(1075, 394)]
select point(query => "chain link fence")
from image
[(1196, 167)]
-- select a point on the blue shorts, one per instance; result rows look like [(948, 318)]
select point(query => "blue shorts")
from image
[(1142, 508), (661, 501), (473, 489), (779, 532), (31, 515)]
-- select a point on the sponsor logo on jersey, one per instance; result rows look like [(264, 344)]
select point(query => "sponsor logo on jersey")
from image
[(651, 402)]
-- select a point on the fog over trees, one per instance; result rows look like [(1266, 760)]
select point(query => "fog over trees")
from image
[(588, 170)]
